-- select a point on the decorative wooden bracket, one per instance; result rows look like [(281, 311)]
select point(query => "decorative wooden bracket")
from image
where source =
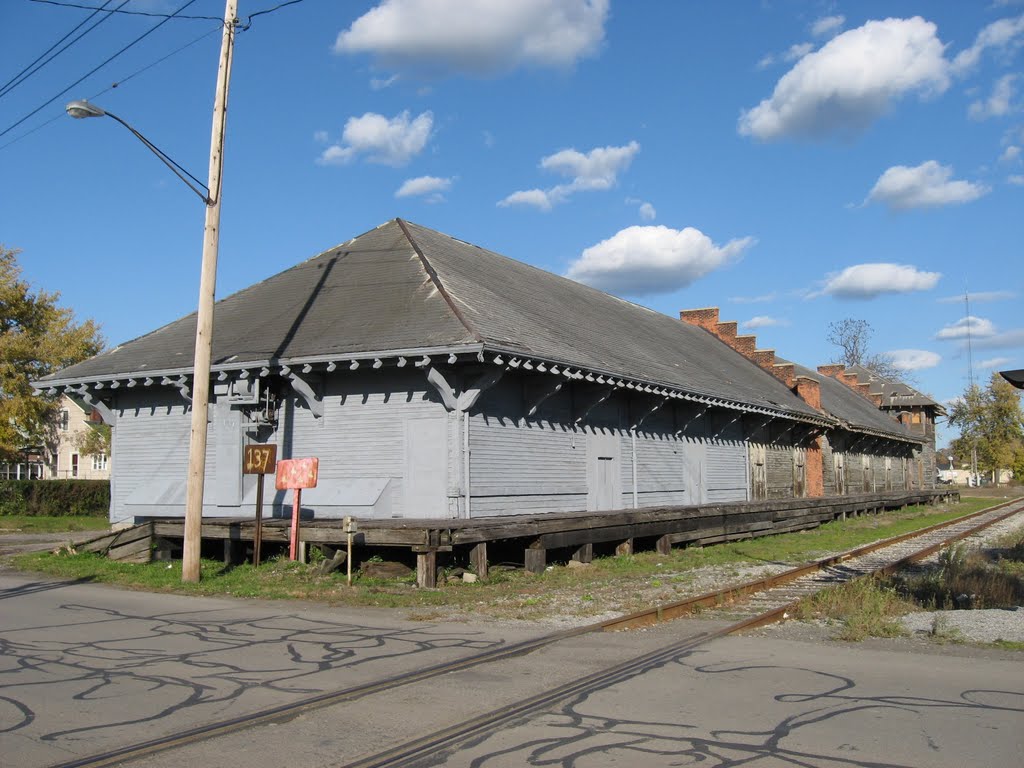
[(595, 400), (650, 412), (468, 398), (109, 417), (181, 383), (305, 391), (552, 388), (472, 393), (444, 389)]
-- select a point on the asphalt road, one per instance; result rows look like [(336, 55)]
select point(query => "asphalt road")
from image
[(86, 668)]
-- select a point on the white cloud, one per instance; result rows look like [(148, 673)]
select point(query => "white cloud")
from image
[(797, 52), (424, 185), (535, 197), (477, 37), (852, 80), (975, 327), (827, 26), (598, 169), (999, 35), (995, 362), (646, 210), (763, 321), (766, 61), (1004, 340), (638, 261), (1016, 179), (998, 104), (925, 186), (391, 141), (380, 83), (1010, 155), (868, 281), (979, 296), (913, 359)]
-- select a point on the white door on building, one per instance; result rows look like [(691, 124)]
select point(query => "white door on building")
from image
[(604, 471), (426, 468)]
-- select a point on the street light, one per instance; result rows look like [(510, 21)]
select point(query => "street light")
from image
[(82, 109), (207, 288)]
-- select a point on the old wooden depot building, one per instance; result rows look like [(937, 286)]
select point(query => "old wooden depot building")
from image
[(436, 379)]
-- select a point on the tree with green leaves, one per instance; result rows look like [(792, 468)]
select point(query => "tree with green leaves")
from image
[(991, 422), (37, 337)]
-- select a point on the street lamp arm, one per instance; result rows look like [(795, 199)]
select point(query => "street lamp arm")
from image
[(178, 171), (80, 109)]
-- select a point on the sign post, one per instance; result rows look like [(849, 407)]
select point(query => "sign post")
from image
[(296, 474), (258, 460)]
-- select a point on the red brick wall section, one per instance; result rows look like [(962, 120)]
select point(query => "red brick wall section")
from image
[(808, 390), (727, 332), (764, 358), (706, 318), (832, 371), (814, 469), (746, 345), (784, 372)]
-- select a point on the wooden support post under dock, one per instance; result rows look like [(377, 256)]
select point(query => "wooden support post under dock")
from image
[(426, 569), (584, 554), (535, 559), (478, 560)]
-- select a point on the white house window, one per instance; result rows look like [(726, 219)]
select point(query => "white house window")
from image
[(99, 461), (64, 421)]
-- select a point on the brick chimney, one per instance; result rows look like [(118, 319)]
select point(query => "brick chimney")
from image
[(833, 371), (809, 390), (706, 318), (785, 372), (727, 331), (764, 358), (746, 346)]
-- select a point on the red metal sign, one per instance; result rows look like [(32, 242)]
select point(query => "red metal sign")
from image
[(297, 473)]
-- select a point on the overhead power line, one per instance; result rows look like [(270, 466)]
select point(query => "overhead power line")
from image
[(246, 25), (119, 83), (95, 69), (42, 60), (127, 13)]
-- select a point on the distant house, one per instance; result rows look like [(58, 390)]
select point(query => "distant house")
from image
[(436, 379), (66, 460)]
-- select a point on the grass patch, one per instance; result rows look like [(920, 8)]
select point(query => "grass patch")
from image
[(618, 584), (864, 608), (50, 524)]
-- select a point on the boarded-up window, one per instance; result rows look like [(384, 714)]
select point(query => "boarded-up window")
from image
[(799, 472), (759, 471)]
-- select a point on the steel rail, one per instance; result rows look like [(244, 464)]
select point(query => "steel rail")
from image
[(291, 710)]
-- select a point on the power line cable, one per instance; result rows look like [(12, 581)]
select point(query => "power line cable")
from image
[(122, 81), (95, 69), (242, 27), (31, 69), (128, 13)]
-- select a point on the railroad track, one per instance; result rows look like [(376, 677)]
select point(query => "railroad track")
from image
[(764, 601)]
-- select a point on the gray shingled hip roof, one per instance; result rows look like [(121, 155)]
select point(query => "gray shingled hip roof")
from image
[(403, 288), (855, 411)]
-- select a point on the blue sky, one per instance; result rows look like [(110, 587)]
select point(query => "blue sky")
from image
[(794, 163)]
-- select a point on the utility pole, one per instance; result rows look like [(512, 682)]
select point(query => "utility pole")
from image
[(204, 320)]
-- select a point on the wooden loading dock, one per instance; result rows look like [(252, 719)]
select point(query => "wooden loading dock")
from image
[(573, 533)]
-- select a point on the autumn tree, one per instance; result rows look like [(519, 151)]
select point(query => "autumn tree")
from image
[(991, 422), (853, 337), (37, 337)]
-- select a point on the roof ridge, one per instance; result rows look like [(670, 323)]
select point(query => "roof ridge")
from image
[(436, 280)]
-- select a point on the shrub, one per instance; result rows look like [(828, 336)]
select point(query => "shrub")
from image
[(55, 498)]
